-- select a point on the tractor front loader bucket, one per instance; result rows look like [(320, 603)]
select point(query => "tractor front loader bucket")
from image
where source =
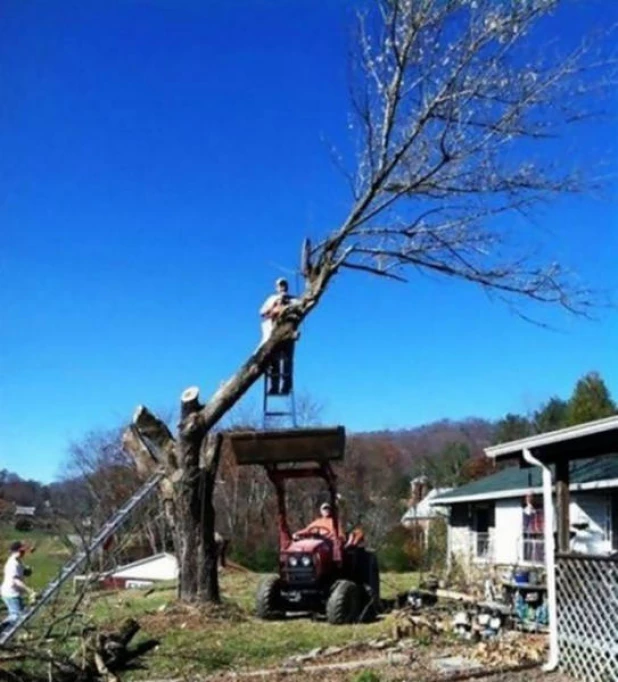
[(288, 445)]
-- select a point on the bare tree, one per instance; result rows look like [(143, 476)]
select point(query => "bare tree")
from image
[(98, 478), (451, 108)]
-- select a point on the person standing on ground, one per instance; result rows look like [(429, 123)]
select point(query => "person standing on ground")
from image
[(13, 586)]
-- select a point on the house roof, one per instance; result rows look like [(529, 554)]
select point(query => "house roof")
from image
[(574, 442), (424, 509), (142, 562), (24, 511), (585, 474)]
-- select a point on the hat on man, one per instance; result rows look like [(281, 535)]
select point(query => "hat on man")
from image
[(280, 281), (326, 505), (17, 546)]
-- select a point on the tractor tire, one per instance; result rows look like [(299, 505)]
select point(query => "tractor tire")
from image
[(344, 603), (269, 604)]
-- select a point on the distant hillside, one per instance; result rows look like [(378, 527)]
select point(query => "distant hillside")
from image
[(432, 438)]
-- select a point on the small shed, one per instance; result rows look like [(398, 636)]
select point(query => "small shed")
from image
[(26, 512), (143, 573)]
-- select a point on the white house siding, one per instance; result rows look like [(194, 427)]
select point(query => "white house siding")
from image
[(459, 534), (461, 543), (508, 532), (506, 536)]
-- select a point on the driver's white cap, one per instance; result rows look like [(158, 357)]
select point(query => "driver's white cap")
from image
[(326, 505)]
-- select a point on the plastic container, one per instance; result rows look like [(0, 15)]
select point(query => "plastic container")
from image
[(521, 577)]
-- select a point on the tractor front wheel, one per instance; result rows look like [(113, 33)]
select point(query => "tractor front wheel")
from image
[(344, 603), (269, 602)]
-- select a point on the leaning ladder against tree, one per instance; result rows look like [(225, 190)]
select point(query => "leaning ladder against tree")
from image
[(447, 102), (84, 556)]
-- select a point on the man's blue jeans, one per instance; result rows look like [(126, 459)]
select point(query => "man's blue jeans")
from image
[(15, 605)]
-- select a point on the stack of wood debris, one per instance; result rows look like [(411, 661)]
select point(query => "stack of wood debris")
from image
[(407, 624), (511, 650), (97, 656)]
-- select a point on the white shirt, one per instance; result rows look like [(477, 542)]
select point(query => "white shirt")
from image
[(267, 322), (12, 569)]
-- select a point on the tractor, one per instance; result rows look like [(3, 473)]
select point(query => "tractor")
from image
[(319, 574)]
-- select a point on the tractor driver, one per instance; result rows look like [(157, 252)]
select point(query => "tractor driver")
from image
[(323, 525)]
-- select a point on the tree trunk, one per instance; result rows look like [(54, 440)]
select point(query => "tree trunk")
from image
[(191, 462)]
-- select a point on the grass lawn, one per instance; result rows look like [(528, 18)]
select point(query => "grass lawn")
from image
[(198, 640), (193, 641), (231, 637)]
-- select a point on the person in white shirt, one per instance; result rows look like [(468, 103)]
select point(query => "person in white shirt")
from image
[(13, 586), (281, 365)]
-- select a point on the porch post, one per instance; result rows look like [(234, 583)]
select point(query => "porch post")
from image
[(562, 503), (550, 559)]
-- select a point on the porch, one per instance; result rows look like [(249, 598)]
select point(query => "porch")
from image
[(582, 588)]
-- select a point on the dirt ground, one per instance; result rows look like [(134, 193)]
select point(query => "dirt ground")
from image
[(392, 674), (363, 665)]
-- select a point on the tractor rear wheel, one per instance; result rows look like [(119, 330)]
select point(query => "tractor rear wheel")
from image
[(344, 603), (269, 603)]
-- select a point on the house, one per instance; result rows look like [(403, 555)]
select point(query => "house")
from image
[(500, 520), (582, 594), (421, 511)]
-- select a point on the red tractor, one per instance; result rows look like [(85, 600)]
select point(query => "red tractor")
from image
[(320, 572)]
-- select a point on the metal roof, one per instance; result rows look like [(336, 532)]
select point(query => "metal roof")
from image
[(590, 474), (598, 437)]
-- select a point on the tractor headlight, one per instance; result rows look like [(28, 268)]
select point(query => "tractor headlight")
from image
[(305, 561), (293, 561)]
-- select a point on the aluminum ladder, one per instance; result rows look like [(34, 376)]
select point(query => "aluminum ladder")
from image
[(109, 528), (283, 414)]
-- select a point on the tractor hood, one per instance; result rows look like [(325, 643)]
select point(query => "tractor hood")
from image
[(305, 545)]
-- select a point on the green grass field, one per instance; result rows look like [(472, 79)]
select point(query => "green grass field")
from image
[(230, 637), (195, 640), (45, 562)]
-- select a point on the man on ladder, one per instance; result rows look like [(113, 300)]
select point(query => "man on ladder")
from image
[(281, 366)]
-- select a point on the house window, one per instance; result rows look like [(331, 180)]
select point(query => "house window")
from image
[(533, 542), (483, 522)]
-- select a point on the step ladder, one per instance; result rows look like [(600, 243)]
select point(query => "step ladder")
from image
[(108, 529), (279, 410)]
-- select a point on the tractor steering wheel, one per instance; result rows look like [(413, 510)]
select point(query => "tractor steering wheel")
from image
[(316, 533), (321, 534)]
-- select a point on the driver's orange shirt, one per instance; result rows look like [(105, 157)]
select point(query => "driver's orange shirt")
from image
[(324, 525)]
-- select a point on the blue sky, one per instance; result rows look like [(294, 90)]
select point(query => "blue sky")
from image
[(161, 162)]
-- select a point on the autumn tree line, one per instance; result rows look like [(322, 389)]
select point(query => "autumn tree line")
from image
[(374, 481)]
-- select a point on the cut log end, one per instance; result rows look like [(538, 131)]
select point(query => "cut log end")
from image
[(189, 402), (190, 394)]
